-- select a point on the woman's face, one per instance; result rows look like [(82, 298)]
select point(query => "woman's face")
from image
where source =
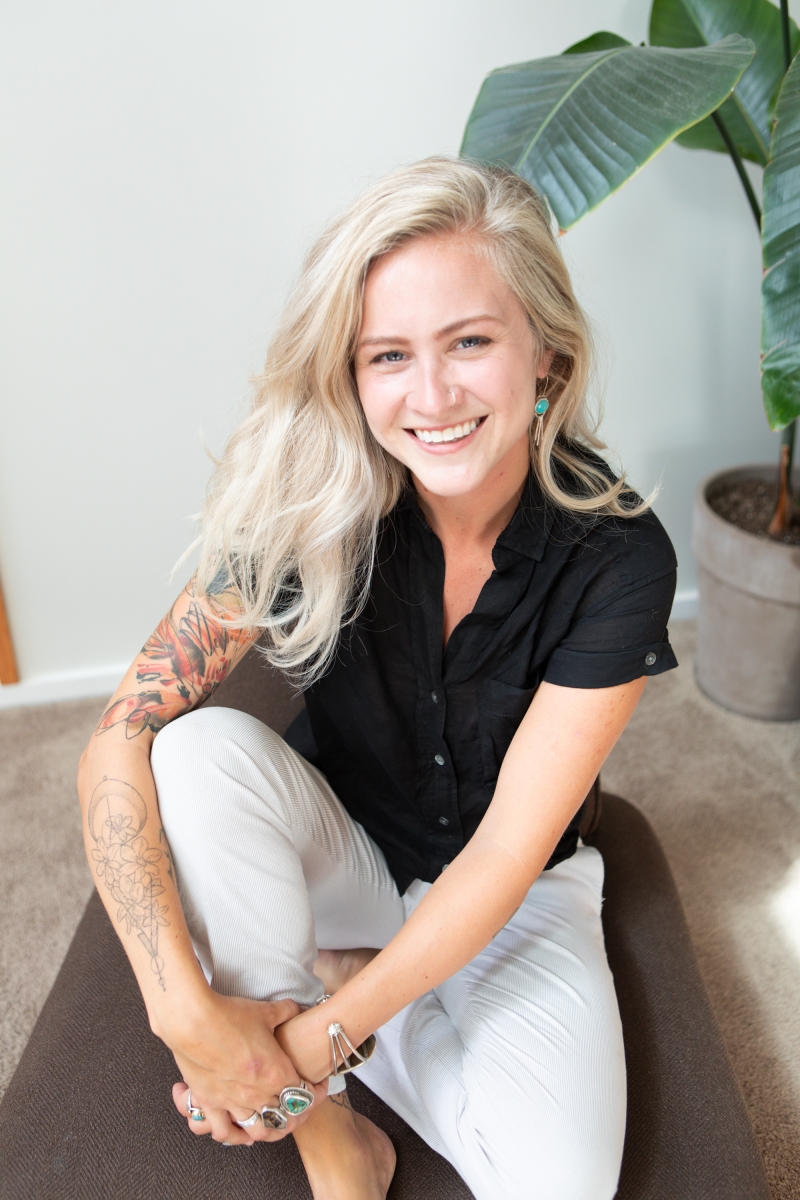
[(446, 365)]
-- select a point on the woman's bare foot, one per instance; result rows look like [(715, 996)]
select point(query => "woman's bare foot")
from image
[(345, 1155), (337, 967)]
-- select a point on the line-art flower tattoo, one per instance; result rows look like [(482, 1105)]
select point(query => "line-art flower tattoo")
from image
[(128, 864)]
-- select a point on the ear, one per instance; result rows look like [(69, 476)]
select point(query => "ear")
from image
[(545, 363)]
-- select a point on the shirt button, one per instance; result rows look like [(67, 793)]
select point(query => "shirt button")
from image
[(650, 659), (438, 759), (434, 698), (443, 821)]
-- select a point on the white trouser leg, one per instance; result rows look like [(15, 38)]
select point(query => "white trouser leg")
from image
[(269, 864), (514, 1068)]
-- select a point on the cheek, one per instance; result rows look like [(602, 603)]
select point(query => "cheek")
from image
[(378, 401), (507, 387)]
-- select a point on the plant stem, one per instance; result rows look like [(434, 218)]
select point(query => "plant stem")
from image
[(787, 439), (788, 434), (724, 133), (787, 37)]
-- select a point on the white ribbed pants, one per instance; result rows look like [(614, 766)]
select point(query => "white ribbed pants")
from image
[(513, 1069)]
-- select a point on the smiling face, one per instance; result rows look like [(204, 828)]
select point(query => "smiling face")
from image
[(446, 365)]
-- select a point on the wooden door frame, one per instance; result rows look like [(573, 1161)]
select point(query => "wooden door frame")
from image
[(8, 662)]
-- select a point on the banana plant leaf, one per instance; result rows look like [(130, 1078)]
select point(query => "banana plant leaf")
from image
[(580, 125), (748, 113), (598, 41), (780, 289)]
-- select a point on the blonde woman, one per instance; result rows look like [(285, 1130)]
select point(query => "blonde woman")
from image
[(416, 521)]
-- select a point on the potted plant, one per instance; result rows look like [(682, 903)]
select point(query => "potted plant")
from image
[(719, 75)]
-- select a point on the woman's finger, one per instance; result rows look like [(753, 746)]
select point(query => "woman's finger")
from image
[(216, 1122), (189, 1109), (262, 1133), (281, 1010)]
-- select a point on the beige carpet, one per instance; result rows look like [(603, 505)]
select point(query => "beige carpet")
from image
[(722, 791)]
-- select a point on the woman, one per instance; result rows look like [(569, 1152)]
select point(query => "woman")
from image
[(415, 514)]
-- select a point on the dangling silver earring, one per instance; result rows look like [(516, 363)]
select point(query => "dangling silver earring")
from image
[(540, 408)]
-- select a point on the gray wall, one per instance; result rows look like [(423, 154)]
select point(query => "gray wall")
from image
[(165, 164)]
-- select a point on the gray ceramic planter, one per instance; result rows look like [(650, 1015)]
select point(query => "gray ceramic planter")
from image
[(748, 616)]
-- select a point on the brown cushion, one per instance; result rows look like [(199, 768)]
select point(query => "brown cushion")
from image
[(688, 1133), (88, 1112)]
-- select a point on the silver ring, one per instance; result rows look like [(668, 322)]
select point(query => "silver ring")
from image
[(249, 1122), (296, 1100), (273, 1118), (196, 1114)]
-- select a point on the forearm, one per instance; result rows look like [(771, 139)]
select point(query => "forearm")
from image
[(131, 863), (469, 903)]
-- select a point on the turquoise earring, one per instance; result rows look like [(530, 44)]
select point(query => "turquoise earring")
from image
[(540, 408)]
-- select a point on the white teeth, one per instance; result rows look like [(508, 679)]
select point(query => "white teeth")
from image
[(453, 434)]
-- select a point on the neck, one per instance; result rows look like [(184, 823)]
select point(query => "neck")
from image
[(479, 516)]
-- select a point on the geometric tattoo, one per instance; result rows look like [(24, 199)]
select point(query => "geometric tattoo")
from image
[(343, 1101), (116, 817)]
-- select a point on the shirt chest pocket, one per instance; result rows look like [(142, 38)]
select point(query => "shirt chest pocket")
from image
[(501, 708)]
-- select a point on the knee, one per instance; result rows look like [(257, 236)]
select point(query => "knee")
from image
[(189, 752), (575, 1176), (549, 1160), (204, 737), (219, 759)]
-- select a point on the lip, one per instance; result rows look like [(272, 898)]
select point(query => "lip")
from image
[(446, 447)]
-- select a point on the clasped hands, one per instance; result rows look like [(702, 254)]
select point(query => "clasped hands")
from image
[(238, 1057)]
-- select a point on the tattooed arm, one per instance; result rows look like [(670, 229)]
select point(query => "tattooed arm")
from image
[(182, 663)]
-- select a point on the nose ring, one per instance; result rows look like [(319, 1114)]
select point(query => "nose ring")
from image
[(452, 396)]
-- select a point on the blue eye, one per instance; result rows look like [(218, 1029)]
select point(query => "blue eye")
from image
[(390, 356), (471, 342)]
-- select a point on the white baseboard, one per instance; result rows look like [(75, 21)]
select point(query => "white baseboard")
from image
[(66, 685), (684, 607)]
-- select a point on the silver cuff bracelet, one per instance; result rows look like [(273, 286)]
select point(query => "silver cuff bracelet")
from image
[(344, 1055)]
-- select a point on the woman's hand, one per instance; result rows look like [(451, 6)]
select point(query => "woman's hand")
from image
[(229, 1058), (221, 1124), (304, 1040)]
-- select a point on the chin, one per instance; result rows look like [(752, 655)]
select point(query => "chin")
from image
[(452, 481)]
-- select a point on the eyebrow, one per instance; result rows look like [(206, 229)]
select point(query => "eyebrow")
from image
[(451, 328)]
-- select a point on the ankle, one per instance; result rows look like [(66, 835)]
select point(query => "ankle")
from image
[(329, 1126), (346, 1157)]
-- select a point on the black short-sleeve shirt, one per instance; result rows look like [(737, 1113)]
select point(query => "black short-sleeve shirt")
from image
[(411, 736)]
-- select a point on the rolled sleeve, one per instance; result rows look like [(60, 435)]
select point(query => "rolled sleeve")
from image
[(619, 641)]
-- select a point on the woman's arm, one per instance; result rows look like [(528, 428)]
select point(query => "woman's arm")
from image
[(555, 756), (180, 664), (223, 1046)]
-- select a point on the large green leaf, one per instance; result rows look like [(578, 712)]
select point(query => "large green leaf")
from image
[(780, 290), (579, 125), (598, 41), (748, 113)]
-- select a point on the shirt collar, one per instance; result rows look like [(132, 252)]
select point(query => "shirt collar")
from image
[(526, 532)]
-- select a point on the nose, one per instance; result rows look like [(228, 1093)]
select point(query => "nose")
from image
[(432, 394)]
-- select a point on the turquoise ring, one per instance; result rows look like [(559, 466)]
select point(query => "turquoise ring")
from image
[(296, 1100), (196, 1114)]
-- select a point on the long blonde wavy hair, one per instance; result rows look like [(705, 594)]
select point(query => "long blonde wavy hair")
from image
[(295, 503)]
